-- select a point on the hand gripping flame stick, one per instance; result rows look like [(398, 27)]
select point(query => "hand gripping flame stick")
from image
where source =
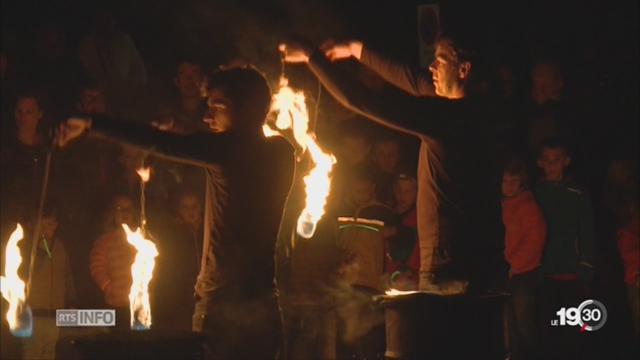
[(145, 174), (13, 288), (291, 110), (141, 274)]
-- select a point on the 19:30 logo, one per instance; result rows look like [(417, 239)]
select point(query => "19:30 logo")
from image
[(590, 315)]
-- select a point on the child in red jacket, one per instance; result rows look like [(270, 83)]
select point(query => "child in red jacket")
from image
[(525, 232), (629, 247)]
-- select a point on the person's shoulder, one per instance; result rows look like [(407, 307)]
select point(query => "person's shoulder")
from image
[(377, 211), (575, 188), (279, 144), (528, 201)]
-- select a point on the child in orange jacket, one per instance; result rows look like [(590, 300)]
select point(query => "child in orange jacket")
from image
[(525, 232)]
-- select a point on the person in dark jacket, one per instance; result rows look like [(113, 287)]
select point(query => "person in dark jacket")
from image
[(569, 252), (249, 177), (456, 170)]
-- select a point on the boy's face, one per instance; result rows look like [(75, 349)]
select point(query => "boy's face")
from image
[(386, 155), (189, 79), (553, 161), (354, 150), (511, 185), (92, 101), (189, 209), (49, 227), (362, 192), (405, 192), (123, 211)]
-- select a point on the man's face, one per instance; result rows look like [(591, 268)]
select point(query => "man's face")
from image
[(92, 102), (386, 155), (27, 114), (354, 150), (511, 185), (405, 192), (219, 115), (447, 73), (189, 210), (189, 79), (553, 162)]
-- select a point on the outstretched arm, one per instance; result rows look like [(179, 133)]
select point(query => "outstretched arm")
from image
[(432, 116), (199, 150), (399, 111), (413, 80)]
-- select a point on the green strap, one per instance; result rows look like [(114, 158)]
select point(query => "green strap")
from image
[(46, 247), (359, 226)]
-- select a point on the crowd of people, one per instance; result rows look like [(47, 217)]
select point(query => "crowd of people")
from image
[(440, 180)]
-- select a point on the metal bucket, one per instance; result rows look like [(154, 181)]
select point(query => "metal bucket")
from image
[(135, 345), (427, 326)]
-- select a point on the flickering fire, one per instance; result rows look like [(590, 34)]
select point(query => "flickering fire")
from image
[(292, 114), (144, 173), (11, 286), (396, 292), (141, 274)]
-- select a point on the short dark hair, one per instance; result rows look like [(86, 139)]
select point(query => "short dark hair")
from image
[(516, 167), (553, 143), (187, 59), (247, 88)]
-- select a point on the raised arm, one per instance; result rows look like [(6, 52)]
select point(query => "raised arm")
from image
[(411, 79), (394, 109)]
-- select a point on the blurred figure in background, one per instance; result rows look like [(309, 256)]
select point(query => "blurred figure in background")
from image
[(402, 250), (23, 157), (52, 286), (525, 235), (112, 257), (180, 248), (386, 156), (111, 58), (569, 253)]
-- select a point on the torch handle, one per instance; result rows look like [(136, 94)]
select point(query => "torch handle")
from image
[(38, 224)]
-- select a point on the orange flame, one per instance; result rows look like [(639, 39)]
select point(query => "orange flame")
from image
[(292, 113), (144, 173), (395, 292), (141, 274), (11, 286)]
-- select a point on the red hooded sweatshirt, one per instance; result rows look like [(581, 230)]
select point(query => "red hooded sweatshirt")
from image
[(525, 232), (629, 247)]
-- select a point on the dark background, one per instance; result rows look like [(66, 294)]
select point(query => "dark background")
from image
[(596, 42)]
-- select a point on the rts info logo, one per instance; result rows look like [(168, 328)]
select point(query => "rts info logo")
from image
[(590, 315)]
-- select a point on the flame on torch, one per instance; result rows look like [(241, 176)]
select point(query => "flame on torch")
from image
[(144, 173), (396, 292), (12, 287), (292, 113), (141, 274)]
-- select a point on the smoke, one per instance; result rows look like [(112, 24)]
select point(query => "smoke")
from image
[(357, 314)]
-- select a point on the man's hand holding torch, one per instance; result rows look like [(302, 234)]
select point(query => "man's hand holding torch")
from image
[(71, 129)]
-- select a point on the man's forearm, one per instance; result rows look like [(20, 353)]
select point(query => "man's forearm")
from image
[(175, 147), (405, 77)]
